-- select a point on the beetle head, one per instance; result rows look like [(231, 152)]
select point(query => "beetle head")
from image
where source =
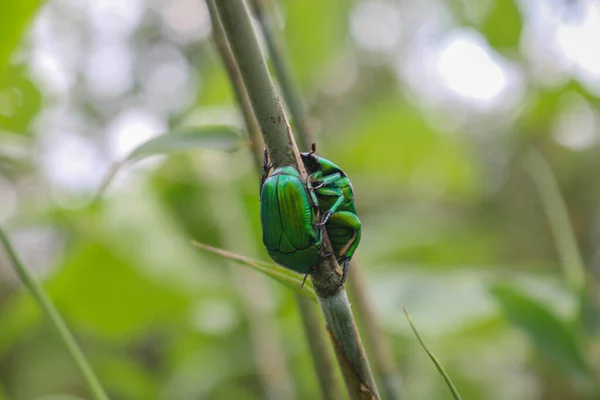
[(310, 160)]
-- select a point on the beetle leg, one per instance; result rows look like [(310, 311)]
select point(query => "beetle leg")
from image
[(265, 169), (332, 210), (303, 281), (313, 196), (326, 255), (328, 180), (345, 272), (324, 218)]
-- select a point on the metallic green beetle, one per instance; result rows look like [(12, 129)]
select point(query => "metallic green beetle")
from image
[(288, 213), (335, 199)]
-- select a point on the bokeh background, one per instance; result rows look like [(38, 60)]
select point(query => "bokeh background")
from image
[(432, 107)]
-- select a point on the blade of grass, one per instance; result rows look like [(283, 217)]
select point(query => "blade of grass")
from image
[(36, 289), (274, 271), (433, 358)]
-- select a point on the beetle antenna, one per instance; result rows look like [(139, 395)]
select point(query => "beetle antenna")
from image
[(313, 148)]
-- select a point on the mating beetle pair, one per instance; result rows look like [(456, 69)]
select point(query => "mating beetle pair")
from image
[(293, 214)]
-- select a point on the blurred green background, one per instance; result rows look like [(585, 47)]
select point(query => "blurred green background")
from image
[(432, 107)]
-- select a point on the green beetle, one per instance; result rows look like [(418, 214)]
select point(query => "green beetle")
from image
[(335, 199), (292, 234)]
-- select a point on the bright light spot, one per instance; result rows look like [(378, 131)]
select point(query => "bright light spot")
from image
[(116, 18), (461, 74), (70, 161), (579, 41), (375, 25), (109, 68), (340, 75), (577, 125), (188, 20), (38, 246), (169, 87), (469, 69), (55, 54), (215, 317), (132, 128), (50, 72)]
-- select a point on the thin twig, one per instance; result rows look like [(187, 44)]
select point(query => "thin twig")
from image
[(267, 345), (558, 217), (378, 344), (283, 71), (376, 341), (321, 355), (283, 151), (36, 289)]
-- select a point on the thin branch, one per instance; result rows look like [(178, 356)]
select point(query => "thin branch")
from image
[(283, 151), (378, 344), (36, 289), (320, 350), (321, 355), (375, 339), (283, 71), (558, 217)]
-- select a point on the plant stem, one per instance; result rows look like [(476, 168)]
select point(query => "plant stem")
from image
[(253, 291), (290, 91), (31, 283), (283, 151), (375, 340), (558, 217), (321, 355), (269, 353), (321, 352), (233, 72)]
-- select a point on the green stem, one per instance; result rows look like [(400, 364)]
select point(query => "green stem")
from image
[(321, 353), (289, 90), (252, 288), (59, 325), (233, 72), (283, 151), (321, 356), (556, 212), (376, 341)]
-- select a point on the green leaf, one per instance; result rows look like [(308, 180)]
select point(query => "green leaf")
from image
[(503, 25), (217, 137), (439, 367), (274, 271), (20, 100), (550, 335), (106, 294), (312, 45), (439, 160), (14, 20)]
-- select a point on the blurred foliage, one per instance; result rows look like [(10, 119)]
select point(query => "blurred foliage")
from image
[(453, 227)]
